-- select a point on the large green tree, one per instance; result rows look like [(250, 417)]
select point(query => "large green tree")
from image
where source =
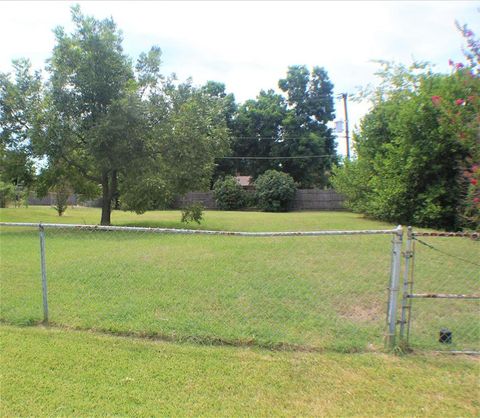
[(288, 131), (306, 134), (20, 96), (258, 128), (105, 124), (412, 154)]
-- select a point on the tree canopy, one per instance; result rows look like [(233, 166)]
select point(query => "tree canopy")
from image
[(101, 122), (418, 150), (18, 100), (292, 127)]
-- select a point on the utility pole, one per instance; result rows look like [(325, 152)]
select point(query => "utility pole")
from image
[(344, 97)]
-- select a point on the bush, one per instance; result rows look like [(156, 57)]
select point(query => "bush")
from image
[(250, 199), (7, 194), (274, 191), (193, 213), (228, 194), (61, 199)]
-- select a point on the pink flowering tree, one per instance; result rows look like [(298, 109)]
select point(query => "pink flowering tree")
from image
[(418, 149), (460, 117)]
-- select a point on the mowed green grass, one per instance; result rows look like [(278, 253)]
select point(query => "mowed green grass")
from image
[(54, 372), (213, 220), (313, 292)]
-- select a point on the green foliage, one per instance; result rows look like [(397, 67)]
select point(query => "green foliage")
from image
[(7, 193), (193, 213), (311, 107), (410, 155), (228, 194), (100, 120), (257, 129), (17, 167), (250, 199), (290, 125), (19, 100), (61, 199), (274, 191)]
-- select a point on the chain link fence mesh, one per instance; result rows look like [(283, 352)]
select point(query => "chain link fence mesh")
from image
[(20, 275), (296, 292), (446, 275)]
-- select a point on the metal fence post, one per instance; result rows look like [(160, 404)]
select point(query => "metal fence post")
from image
[(406, 282), (394, 287), (44, 273)]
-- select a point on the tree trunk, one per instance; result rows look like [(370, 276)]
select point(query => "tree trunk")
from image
[(106, 201), (114, 191)]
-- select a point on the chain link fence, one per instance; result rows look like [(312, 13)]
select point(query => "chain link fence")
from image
[(306, 291), (441, 303)]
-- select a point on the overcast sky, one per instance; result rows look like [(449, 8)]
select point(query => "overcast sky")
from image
[(249, 45)]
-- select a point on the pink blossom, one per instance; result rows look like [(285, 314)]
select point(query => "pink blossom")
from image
[(474, 182), (476, 200), (458, 65), (436, 100), (475, 168), (459, 102)]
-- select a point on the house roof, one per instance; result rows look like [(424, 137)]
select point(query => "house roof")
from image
[(244, 180)]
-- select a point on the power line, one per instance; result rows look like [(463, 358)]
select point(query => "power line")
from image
[(276, 158), (273, 138)]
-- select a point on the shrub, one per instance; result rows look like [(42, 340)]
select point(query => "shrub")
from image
[(193, 213), (274, 191), (61, 199), (250, 199), (228, 194), (7, 193)]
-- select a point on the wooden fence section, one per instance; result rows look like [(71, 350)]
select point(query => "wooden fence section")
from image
[(305, 199), (205, 198), (314, 199), (49, 200)]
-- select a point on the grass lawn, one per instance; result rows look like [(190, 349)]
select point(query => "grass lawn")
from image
[(54, 372), (314, 292), (214, 220), (264, 291)]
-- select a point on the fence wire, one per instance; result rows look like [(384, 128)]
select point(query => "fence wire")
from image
[(20, 275), (301, 292), (446, 314)]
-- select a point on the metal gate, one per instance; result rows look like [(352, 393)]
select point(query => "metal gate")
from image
[(441, 292)]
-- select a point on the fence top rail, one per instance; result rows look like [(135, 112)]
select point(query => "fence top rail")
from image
[(397, 230), (473, 235)]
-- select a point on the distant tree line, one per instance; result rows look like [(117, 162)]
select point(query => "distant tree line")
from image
[(101, 124), (288, 131)]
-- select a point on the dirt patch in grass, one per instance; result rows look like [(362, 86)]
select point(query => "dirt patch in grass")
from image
[(362, 312)]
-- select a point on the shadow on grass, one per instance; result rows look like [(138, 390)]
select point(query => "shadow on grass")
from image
[(161, 224), (204, 340)]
